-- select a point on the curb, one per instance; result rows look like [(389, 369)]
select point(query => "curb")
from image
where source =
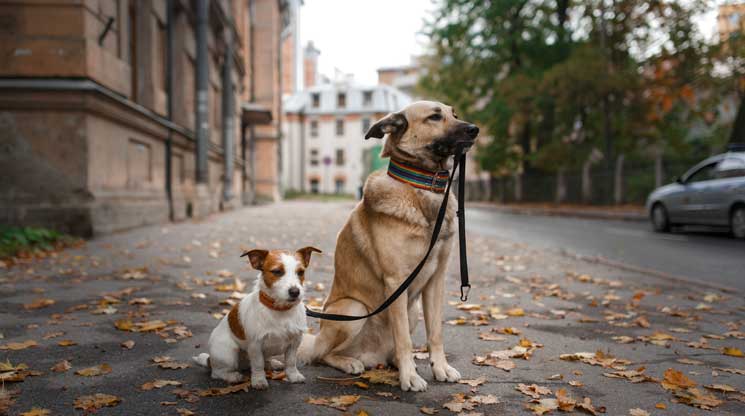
[(559, 212)]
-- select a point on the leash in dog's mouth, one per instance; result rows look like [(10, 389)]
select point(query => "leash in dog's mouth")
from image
[(461, 147)]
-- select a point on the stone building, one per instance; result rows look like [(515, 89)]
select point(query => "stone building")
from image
[(323, 145), (117, 114)]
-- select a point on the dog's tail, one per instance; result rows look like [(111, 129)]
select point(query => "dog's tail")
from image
[(305, 353), (202, 359)]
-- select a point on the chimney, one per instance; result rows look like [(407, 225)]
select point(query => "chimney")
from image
[(310, 65)]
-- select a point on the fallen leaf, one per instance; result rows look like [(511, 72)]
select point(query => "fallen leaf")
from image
[(381, 376), (96, 401), (15, 346), (97, 370), (544, 406), (222, 391), (732, 351), (337, 402), (724, 388), (184, 412), (731, 370), (428, 410), (675, 379), (638, 412), (67, 343), (488, 336), (172, 365), (129, 344), (61, 366), (535, 391), (689, 361), (515, 312), (473, 382), (662, 406), (36, 411), (157, 384), (38, 304)]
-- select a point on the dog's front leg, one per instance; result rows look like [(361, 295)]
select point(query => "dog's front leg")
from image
[(398, 319), (293, 375), (256, 356), (432, 298)]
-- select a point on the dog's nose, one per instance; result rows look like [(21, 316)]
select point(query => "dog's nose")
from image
[(472, 131), (294, 292)]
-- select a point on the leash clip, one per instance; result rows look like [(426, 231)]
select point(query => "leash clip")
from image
[(464, 293), (435, 178)]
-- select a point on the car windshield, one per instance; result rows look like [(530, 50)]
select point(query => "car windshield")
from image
[(704, 173)]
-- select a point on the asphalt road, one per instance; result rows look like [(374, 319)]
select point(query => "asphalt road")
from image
[(703, 256)]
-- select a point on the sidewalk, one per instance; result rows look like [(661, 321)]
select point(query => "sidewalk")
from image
[(542, 333), (622, 213)]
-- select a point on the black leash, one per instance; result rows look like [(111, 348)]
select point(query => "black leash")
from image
[(465, 287)]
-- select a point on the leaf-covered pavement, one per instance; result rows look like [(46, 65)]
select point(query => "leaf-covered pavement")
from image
[(109, 328)]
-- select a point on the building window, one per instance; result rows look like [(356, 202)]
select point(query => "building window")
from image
[(365, 125), (339, 157), (339, 186), (340, 127), (341, 100), (314, 186), (314, 157), (367, 98), (314, 128), (315, 100)]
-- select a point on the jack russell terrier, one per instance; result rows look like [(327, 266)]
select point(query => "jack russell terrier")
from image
[(269, 321)]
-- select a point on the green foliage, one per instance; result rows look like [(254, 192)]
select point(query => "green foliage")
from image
[(14, 240), (551, 80)]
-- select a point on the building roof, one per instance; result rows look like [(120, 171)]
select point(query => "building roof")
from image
[(383, 99)]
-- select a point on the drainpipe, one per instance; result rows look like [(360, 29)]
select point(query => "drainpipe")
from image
[(228, 113), (202, 127), (169, 105), (302, 149), (252, 97)]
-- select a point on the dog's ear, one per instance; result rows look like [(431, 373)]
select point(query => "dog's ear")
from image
[(256, 257), (305, 253), (393, 123)]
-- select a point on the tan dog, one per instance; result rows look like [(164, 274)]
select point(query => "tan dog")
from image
[(384, 238)]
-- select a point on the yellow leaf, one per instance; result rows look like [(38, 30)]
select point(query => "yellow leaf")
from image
[(38, 304), (381, 376), (96, 401), (732, 351), (15, 346), (515, 312), (98, 370), (36, 411), (336, 402), (67, 343), (157, 384)]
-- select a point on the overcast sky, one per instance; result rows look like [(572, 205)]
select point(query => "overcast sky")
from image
[(360, 36)]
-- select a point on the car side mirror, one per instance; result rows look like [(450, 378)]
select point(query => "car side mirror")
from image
[(679, 180)]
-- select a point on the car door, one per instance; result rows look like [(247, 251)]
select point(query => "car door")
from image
[(693, 203), (726, 189)]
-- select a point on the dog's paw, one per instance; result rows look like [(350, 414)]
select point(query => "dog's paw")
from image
[(229, 376), (444, 372), (412, 382), (348, 365), (295, 377), (259, 382)]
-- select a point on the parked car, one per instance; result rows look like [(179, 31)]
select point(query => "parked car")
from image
[(711, 193)]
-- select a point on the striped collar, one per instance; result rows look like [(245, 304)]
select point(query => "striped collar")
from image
[(418, 177)]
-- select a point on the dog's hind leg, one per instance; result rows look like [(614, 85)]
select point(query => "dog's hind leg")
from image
[(335, 336)]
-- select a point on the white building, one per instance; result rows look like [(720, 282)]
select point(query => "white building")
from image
[(323, 145)]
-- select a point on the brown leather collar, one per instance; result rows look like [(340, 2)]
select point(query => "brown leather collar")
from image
[(269, 302)]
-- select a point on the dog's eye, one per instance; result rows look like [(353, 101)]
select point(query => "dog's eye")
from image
[(277, 272), (435, 117)]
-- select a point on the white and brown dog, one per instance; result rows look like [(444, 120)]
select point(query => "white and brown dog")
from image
[(269, 321), (384, 238)]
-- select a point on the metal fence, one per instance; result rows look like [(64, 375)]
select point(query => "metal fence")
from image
[(637, 181)]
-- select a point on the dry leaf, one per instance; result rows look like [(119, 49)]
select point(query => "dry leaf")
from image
[(98, 370), (732, 351), (428, 410), (473, 382), (336, 402), (38, 304), (381, 376), (535, 391), (67, 343), (172, 365), (129, 344), (157, 384), (675, 379), (36, 411), (96, 401), (61, 366), (544, 406), (15, 346), (222, 391), (515, 312)]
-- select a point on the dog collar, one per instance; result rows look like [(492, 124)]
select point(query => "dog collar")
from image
[(419, 177), (269, 302)]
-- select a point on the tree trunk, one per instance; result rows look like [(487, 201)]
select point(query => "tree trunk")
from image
[(561, 186), (518, 187), (586, 181), (618, 196), (738, 128)]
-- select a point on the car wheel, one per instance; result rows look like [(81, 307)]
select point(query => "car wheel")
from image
[(737, 222), (660, 220)]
